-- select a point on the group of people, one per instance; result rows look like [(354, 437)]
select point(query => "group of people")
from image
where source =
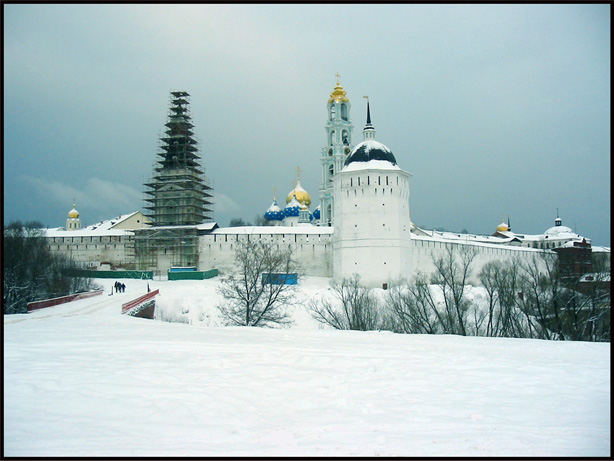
[(120, 287)]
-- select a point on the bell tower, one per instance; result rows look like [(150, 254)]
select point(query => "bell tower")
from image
[(338, 146)]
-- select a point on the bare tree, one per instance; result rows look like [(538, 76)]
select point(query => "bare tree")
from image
[(415, 307), (32, 272), (502, 283), (539, 288), (257, 293), (452, 271), (353, 307), (595, 290)]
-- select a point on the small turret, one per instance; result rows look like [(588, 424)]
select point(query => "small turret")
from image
[(73, 222)]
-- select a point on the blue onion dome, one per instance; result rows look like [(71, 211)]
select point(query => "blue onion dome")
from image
[(293, 208), (274, 213), (316, 213), (368, 150)]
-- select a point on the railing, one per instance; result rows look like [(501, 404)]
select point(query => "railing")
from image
[(35, 305), (143, 306)]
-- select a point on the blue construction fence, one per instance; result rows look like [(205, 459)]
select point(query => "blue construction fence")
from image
[(185, 273), (279, 278)]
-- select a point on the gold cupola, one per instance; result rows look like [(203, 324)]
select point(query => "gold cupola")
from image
[(339, 94), (73, 222), (73, 214), (301, 194), (503, 227)]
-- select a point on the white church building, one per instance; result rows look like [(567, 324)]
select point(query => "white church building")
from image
[(361, 225)]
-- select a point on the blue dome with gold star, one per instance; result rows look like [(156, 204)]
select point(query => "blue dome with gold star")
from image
[(274, 213)]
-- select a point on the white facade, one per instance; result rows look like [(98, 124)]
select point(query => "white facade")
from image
[(372, 225), (311, 246)]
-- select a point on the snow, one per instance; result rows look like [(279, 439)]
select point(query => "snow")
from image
[(372, 144), (266, 230), (83, 380), (371, 165)]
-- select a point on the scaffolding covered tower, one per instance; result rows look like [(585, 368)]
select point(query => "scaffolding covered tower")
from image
[(178, 193), (178, 197)]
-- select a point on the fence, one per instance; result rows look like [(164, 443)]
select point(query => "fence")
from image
[(35, 305), (143, 306), (279, 278), (192, 275), (143, 275)]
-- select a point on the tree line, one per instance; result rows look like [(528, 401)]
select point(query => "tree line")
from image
[(32, 272)]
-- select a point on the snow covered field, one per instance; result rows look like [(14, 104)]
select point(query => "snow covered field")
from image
[(83, 380)]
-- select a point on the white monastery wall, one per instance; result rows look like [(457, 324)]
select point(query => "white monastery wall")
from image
[(425, 249), (311, 246), (94, 250)]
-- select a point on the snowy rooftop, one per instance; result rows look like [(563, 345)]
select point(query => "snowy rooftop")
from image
[(367, 151), (371, 165), (304, 229), (101, 228)]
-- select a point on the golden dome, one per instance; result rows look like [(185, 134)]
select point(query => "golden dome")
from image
[(503, 227), (301, 195), (73, 214), (338, 94)]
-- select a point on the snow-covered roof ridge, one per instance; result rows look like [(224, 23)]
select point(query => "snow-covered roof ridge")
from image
[(275, 230), (371, 165)]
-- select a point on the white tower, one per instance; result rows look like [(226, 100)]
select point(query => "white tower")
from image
[(371, 210), (338, 146)]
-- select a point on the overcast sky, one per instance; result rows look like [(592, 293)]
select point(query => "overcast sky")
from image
[(495, 110)]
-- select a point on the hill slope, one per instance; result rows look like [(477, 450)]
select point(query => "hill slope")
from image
[(83, 380)]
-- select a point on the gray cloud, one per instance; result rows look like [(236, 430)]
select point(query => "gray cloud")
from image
[(495, 109)]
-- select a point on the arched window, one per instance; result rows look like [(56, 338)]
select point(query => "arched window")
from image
[(332, 137), (345, 138), (344, 112), (331, 172), (333, 111)]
